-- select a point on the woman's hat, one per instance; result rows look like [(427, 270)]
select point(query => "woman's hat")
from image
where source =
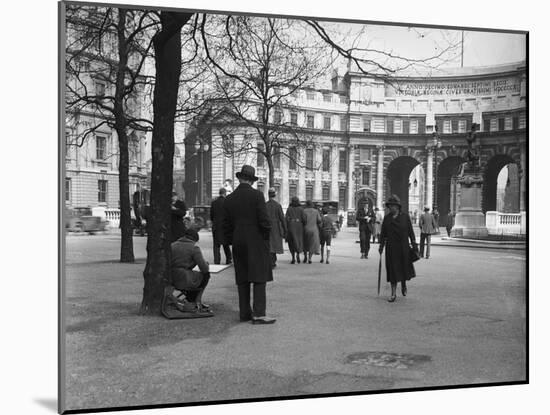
[(247, 172), (393, 200)]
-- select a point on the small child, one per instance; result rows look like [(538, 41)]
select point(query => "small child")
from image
[(325, 233)]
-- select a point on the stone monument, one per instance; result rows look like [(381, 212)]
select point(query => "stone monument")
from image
[(470, 220)]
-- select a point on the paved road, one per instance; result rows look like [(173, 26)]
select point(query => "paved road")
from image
[(462, 322)]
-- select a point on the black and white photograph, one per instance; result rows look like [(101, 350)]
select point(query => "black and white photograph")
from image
[(282, 207), (266, 207)]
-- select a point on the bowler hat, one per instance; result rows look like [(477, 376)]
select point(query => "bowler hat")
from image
[(393, 200), (247, 172)]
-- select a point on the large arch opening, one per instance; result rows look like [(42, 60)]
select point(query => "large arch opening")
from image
[(491, 178), (398, 174), (446, 197)]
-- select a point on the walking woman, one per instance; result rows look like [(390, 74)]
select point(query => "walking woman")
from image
[(312, 242), (395, 234), (295, 220)]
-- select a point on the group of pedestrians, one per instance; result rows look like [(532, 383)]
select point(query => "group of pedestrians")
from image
[(251, 232)]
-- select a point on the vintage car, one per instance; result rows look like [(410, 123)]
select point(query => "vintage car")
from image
[(81, 219)]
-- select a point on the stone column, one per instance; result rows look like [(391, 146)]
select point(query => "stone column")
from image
[(317, 164), (429, 178), (521, 172), (301, 174), (218, 167), (334, 190), (283, 196), (351, 180), (380, 179)]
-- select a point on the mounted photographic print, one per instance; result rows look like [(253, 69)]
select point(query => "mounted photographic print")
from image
[(259, 207)]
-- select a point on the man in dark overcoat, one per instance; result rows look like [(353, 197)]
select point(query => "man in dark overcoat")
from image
[(278, 226), (177, 213), (216, 216), (247, 227)]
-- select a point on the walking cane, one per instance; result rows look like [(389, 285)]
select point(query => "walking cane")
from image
[(379, 273)]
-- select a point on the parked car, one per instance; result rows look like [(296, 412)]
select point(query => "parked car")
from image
[(81, 219)]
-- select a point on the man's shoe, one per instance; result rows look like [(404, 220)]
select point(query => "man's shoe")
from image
[(293, 261), (228, 262), (263, 320)]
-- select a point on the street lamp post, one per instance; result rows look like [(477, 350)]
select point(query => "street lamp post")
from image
[(434, 145), (201, 148)]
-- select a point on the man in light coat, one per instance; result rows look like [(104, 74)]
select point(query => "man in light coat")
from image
[(427, 229)]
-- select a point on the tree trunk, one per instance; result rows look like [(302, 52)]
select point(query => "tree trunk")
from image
[(126, 242), (167, 44)]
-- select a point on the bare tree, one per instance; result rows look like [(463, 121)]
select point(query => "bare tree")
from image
[(106, 55), (259, 65), (167, 45)]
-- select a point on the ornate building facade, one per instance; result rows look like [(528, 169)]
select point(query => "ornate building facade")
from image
[(369, 135)]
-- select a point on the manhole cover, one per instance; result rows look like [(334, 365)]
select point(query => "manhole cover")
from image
[(385, 359)]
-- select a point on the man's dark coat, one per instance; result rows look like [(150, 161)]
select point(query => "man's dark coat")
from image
[(246, 227), (216, 215)]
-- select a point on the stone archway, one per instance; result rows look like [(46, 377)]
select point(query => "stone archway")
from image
[(398, 174), (448, 168), (490, 176)]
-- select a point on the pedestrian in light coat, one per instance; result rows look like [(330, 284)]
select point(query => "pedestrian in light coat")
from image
[(295, 220), (278, 226), (247, 228), (216, 216), (395, 234), (378, 218), (427, 229), (312, 243)]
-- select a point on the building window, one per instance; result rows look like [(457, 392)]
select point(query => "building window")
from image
[(293, 157), (342, 161), (515, 123), (364, 155), (326, 123), (276, 152), (326, 192), (67, 189), (326, 159), (102, 191), (310, 95), (309, 192), (486, 124), (260, 158), (501, 124), (365, 181), (406, 126), (309, 158), (99, 88), (343, 99), (522, 120), (100, 147), (327, 97), (292, 191), (261, 113), (277, 117), (447, 127), (508, 123), (397, 127), (389, 126), (494, 124), (414, 127), (342, 197), (454, 126), (462, 126), (293, 119), (366, 125), (343, 123), (310, 121)]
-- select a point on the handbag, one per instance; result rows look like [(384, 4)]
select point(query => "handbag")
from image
[(414, 255)]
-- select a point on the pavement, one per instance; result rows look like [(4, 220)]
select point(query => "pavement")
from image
[(462, 322)]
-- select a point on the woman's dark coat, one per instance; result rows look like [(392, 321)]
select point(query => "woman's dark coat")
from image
[(295, 220), (246, 227), (394, 236), (312, 242), (278, 226), (216, 216)]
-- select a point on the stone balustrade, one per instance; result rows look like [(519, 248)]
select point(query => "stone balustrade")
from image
[(506, 223)]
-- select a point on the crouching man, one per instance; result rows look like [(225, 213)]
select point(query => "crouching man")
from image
[(185, 256)]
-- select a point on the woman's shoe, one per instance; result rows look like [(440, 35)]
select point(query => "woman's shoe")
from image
[(404, 291), (293, 261), (392, 298)]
